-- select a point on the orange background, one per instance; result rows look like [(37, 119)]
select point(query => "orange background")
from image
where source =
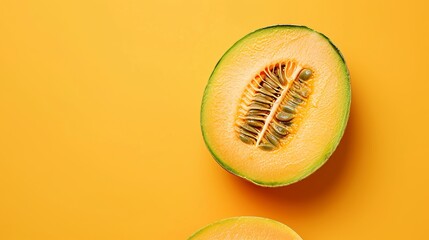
[(99, 120)]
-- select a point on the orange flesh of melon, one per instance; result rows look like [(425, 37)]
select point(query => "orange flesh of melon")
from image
[(246, 228)]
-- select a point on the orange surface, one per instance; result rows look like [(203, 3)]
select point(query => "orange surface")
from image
[(99, 121)]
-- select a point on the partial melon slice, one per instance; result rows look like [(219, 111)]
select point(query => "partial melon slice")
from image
[(246, 228), (276, 105)]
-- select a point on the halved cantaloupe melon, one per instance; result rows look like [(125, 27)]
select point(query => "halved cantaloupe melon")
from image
[(248, 228), (276, 105)]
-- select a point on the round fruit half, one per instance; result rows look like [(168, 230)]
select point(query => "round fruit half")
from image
[(276, 105), (249, 228)]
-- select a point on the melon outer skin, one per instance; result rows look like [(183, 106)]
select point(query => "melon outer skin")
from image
[(331, 148), (259, 220)]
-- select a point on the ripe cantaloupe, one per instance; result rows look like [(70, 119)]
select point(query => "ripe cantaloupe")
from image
[(246, 228), (276, 105)]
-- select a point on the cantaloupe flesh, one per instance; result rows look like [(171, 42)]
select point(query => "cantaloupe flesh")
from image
[(319, 131), (246, 228)]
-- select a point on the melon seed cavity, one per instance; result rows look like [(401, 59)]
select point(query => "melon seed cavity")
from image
[(270, 104)]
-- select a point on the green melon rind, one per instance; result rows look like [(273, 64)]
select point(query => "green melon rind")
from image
[(330, 149), (201, 230)]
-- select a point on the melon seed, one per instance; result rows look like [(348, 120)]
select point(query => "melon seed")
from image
[(247, 133), (262, 100), (304, 92), (273, 139), (257, 112), (284, 116), (246, 139), (266, 146), (289, 109), (250, 128), (280, 74), (280, 129), (260, 105), (267, 87), (305, 74), (275, 79), (255, 123), (297, 99), (268, 93), (271, 82)]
